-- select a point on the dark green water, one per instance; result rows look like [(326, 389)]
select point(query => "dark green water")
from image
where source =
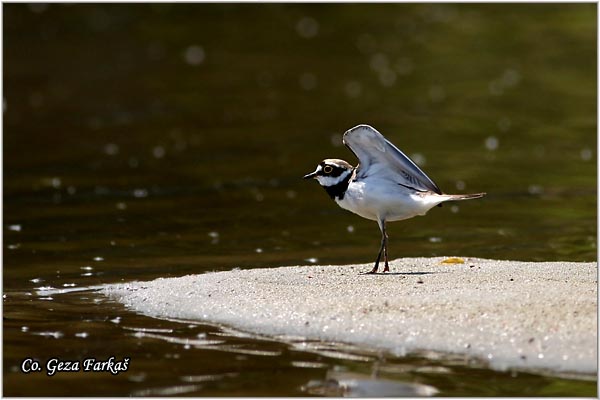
[(145, 141)]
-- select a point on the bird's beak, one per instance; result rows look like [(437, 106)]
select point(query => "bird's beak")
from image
[(311, 175)]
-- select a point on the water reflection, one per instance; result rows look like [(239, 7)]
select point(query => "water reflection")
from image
[(339, 384)]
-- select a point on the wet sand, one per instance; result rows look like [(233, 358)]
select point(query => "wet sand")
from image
[(510, 314)]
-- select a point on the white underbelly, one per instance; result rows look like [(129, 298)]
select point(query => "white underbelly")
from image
[(383, 201)]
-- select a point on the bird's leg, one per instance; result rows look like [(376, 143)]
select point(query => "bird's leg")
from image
[(374, 270), (385, 252), (382, 249), (384, 241)]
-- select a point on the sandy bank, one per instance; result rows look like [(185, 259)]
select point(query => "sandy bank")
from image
[(527, 315)]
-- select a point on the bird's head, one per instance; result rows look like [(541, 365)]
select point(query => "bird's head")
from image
[(331, 171)]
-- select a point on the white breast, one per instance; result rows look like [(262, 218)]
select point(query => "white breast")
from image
[(376, 199)]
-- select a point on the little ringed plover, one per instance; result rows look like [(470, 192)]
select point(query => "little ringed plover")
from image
[(385, 186)]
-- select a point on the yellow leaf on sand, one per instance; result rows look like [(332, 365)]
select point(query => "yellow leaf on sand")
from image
[(453, 260)]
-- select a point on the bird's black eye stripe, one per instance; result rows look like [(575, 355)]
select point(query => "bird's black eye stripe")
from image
[(327, 169)]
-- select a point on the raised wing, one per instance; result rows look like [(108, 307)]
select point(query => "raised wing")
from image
[(378, 155)]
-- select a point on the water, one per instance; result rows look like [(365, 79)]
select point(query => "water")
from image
[(145, 141)]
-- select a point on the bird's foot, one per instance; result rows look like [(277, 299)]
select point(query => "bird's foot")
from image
[(387, 268), (374, 270)]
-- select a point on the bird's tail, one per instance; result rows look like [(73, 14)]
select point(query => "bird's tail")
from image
[(453, 197)]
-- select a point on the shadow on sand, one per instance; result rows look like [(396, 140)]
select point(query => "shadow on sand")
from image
[(398, 273)]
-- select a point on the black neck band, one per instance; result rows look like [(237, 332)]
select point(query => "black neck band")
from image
[(339, 189)]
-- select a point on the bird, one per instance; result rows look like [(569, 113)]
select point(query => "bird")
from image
[(385, 186)]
